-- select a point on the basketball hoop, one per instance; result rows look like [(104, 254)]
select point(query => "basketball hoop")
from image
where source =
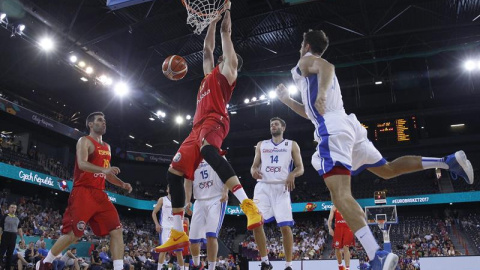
[(381, 224), (202, 12)]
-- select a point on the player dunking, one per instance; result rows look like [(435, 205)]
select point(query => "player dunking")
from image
[(88, 203), (211, 197), (163, 226), (342, 238), (211, 124), (343, 145), (273, 168)]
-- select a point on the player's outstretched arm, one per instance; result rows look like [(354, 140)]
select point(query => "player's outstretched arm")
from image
[(257, 162), (229, 69), (284, 97), (209, 47)]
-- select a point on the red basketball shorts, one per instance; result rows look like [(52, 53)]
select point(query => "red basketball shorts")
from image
[(343, 236), (92, 207), (188, 156)]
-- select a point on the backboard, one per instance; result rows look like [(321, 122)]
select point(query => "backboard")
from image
[(381, 212)]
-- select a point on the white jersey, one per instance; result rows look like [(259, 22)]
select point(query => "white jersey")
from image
[(166, 217), (206, 183), (277, 161), (308, 87)]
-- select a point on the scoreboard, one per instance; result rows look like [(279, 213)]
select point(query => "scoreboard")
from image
[(396, 131)]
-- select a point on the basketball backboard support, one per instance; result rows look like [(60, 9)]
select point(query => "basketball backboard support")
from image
[(381, 212)]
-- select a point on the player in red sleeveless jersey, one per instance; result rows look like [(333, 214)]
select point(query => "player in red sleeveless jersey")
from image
[(88, 203), (211, 124), (342, 238)]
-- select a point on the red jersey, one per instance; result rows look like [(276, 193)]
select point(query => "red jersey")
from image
[(100, 157), (213, 96), (339, 221)]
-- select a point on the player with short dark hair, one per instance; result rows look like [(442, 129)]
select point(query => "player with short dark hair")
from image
[(88, 203)]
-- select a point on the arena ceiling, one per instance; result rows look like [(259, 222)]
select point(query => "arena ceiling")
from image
[(415, 48)]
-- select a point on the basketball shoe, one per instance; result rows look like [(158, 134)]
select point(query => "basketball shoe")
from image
[(176, 240), (254, 217), (384, 261), (459, 165)]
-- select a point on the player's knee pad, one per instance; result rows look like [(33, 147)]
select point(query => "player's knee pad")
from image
[(217, 162), (177, 190), (337, 170)]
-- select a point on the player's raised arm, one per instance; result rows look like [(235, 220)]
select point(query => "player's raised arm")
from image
[(209, 47), (284, 97), (229, 69)]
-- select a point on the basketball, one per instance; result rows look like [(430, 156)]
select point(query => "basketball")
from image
[(174, 67)]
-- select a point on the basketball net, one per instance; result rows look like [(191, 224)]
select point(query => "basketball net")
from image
[(202, 12)]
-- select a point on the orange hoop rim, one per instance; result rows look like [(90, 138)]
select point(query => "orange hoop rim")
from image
[(189, 8)]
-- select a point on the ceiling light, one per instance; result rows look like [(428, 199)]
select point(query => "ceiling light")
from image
[(73, 59), (131, 137), (89, 70), (457, 125), (228, 106), (272, 94), (121, 89), (378, 82), (148, 145), (188, 117), (179, 119), (262, 97), (246, 101), (84, 79), (292, 89), (46, 44), (3, 16), (175, 141), (469, 65), (233, 112), (81, 64), (254, 99), (105, 80), (151, 118), (19, 29)]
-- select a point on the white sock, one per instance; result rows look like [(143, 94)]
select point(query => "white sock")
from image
[(178, 222), (211, 265), (432, 163), (265, 259), (117, 264), (287, 264), (239, 192), (50, 257), (186, 268), (368, 241), (159, 266), (196, 260)]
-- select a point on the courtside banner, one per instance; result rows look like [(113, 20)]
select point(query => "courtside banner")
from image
[(41, 179), (149, 157), (26, 114)]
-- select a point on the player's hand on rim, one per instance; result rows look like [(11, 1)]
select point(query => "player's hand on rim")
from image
[(290, 183), (111, 170)]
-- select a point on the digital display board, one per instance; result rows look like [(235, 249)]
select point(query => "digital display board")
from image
[(392, 131)]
